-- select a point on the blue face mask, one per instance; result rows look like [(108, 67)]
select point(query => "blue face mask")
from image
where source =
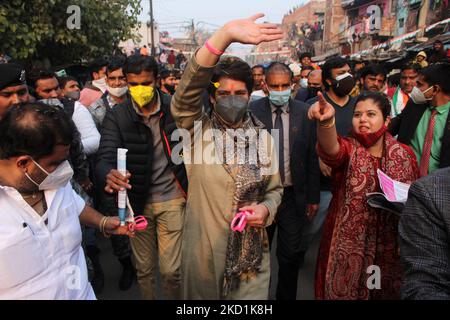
[(280, 98)]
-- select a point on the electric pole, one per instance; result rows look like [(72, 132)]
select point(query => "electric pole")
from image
[(152, 28), (194, 38)]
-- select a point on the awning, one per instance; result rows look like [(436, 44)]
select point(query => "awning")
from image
[(436, 24), (346, 3), (402, 56), (445, 38), (397, 41), (328, 54)]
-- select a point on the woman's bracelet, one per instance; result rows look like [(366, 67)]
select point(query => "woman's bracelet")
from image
[(103, 223), (327, 124), (213, 50)]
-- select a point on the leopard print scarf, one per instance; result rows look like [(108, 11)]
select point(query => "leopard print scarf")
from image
[(244, 250)]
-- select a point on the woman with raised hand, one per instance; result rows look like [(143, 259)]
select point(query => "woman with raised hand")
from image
[(358, 239), (218, 263)]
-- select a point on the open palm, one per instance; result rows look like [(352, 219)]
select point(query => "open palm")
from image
[(247, 31)]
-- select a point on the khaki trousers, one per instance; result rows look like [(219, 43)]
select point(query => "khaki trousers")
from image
[(161, 241)]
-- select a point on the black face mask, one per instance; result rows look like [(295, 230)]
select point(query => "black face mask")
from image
[(231, 108), (169, 88), (343, 84), (312, 91)]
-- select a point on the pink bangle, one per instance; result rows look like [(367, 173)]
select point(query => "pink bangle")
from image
[(212, 49)]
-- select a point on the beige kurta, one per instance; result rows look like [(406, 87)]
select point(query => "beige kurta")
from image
[(209, 203)]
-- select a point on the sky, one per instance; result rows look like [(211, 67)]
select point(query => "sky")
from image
[(171, 14)]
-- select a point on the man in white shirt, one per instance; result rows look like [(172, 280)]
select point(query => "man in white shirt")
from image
[(40, 234), (47, 88)]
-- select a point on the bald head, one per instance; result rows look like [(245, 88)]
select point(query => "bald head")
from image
[(315, 74), (315, 79), (279, 68)]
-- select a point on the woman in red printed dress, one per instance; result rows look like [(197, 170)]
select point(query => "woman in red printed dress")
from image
[(357, 237)]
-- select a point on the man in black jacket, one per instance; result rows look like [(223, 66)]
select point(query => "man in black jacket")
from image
[(156, 187), (299, 171), (314, 86), (426, 117)]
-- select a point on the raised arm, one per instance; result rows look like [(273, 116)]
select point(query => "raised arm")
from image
[(323, 112), (186, 105), (245, 31)]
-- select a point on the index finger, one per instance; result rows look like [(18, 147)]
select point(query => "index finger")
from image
[(322, 100)]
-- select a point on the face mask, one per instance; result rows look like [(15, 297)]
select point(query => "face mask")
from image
[(231, 108), (55, 180), (100, 84), (52, 102), (312, 91), (343, 84), (369, 139), (118, 92), (280, 98), (170, 88), (74, 95), (304, 83), (418, 96), (142, 95)]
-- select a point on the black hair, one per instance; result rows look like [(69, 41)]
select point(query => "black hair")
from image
[(412, 66), (304, 55), (437, 75), (233, 68), (34, 129), (116, 63), (373, 70), (164, 74), (330, 64), (394, 80), (39, 74), (96, 65), (437, 41), (258, 66), (138, 63), (307, 68), (380, 99), (64, 80), (279, 67)]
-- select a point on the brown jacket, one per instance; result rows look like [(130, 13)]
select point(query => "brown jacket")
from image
[(209, 203)]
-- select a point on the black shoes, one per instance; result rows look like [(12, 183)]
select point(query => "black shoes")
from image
[(128, 274)]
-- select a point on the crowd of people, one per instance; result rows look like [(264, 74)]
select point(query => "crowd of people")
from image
[(332, 128)]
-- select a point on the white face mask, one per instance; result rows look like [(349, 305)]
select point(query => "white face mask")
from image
[(304, 83), (118, 92), (52, 102), (418, 96), (55, 180), (100, 84)]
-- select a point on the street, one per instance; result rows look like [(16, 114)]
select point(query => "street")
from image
[(112, 270)]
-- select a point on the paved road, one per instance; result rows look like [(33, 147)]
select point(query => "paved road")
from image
[(112, 270)]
